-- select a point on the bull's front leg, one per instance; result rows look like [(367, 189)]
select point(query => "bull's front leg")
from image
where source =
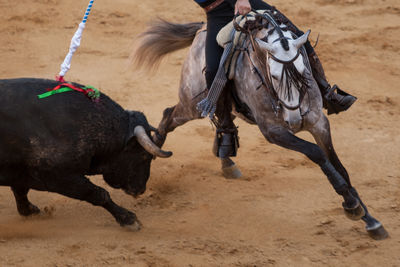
[(24, 206), (79, 187)]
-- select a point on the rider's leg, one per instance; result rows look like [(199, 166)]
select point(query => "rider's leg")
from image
[(335, 100), (226, 132)]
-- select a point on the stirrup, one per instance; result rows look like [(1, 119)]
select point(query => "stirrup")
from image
[(337, 102)]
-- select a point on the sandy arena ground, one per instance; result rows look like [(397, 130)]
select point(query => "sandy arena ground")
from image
[(283, 212)]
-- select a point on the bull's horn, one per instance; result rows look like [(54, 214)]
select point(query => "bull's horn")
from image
[(301, 40), (145, 141)]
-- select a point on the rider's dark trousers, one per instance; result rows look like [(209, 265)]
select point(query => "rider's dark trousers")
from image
[(216, 20)]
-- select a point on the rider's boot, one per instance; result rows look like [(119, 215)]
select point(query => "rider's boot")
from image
[(226, 140), (335, 100)]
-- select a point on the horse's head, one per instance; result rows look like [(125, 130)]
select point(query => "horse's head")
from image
[(285, 70)]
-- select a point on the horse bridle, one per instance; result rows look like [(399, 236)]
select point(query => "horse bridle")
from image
[(287, 62), (278, 102)]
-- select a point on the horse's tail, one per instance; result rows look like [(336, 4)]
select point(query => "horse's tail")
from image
[(161, 38)]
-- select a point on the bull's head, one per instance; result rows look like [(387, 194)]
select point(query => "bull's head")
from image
[(130, 169)]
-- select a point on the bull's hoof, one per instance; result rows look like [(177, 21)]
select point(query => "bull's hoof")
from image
[(354, 214), (28, 210), (231, 172), (378, 233), (135, 227)]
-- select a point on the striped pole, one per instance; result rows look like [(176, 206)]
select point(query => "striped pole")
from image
[(75, 43), (89, 8)]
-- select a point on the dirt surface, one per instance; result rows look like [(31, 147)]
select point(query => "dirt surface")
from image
[(283, 212)]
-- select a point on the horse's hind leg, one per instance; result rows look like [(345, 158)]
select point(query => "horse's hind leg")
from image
[(322, 135)]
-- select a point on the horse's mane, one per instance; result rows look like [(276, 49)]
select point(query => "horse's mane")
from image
[(261, 56), (252, 26)]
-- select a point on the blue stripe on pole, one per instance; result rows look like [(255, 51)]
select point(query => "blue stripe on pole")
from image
[(89, 8)]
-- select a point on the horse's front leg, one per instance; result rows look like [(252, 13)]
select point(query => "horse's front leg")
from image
[(322, 135), (281, 136)]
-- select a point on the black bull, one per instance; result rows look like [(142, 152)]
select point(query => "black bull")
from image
[(50, 145)]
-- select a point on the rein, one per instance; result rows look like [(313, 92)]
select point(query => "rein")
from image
[(266, 83), (285, 62)]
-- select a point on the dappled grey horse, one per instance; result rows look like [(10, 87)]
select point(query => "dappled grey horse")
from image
[(274, 82)]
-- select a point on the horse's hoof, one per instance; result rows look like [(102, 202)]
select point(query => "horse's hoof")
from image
[(231, 172), (354, 214), (134, 227), (378, 233)]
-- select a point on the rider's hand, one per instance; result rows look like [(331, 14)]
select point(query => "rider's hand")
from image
[(242, 7)]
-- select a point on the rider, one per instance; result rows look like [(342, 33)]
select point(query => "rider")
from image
[(221, 12)]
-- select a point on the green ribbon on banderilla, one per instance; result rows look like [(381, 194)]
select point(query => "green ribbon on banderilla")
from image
[(89, 91)]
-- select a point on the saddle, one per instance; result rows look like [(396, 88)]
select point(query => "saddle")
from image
[(224, 37), (236, 42), (233, 40)]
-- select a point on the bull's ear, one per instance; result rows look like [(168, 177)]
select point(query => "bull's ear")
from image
[(135, 118), (129, 136)]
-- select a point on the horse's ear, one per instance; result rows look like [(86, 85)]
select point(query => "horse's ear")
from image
[(301, 40), (264, 45)]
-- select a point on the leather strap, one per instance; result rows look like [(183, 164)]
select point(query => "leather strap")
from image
[(213, 5)]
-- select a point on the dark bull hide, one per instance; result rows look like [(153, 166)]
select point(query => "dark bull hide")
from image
[(52, 143)]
